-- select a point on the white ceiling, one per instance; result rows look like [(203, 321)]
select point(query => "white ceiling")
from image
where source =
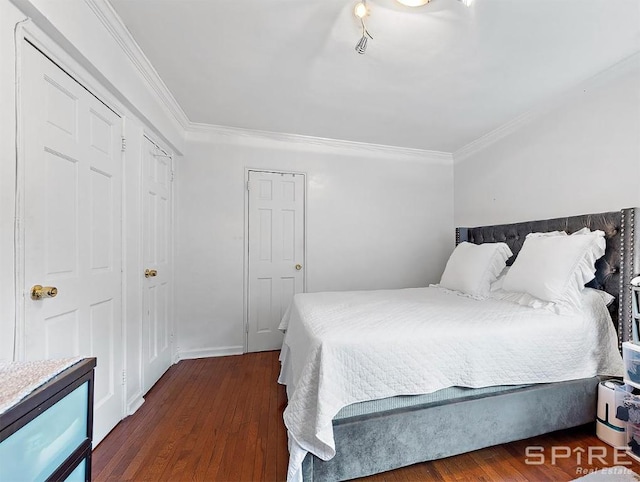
[(435, 77)]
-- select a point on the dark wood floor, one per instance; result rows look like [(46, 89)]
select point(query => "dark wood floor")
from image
[(221, 419)]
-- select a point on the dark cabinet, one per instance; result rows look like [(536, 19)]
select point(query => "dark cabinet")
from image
[(47, 435)]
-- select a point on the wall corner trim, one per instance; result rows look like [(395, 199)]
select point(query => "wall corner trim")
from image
[(210, 352), (114, 25), (540, 110), (106, 14), (215, 133), (493, 136), (134, 403)]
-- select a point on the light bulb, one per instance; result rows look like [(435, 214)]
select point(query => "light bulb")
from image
[(360, 10)]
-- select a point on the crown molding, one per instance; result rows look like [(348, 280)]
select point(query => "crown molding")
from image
[(105, 12), (208, 132), (110, 19), (494, 136), (563, 97), (114, 25)]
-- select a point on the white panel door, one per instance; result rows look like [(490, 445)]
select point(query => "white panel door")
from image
[(71, 234), (276, 253), (156, 325)]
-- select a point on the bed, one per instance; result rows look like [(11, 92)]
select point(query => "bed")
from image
[(377, 433)]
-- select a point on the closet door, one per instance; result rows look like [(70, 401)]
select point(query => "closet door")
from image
[(157, 294), (70, 228)]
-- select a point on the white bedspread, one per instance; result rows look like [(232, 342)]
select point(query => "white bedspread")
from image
[(346, 347)]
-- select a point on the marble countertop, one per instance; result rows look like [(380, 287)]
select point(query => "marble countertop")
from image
[(19, 379)]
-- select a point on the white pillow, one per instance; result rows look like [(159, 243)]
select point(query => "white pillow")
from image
[(473, 267), (497, 284), (524, 299), (606, 298), (556, 268), (551, 233), (528, 300)]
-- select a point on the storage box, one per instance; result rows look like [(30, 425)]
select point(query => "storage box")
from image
[(632, 404), (627, 408), (612, 415), (633, 438), (631, 356)]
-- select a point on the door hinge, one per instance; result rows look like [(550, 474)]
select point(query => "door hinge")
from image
[(246, 327), (124, 377), (248, 185), (173, 175), (123, 146)]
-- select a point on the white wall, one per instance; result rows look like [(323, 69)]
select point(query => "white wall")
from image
[(9, 16), (375, 219), (581, 155)]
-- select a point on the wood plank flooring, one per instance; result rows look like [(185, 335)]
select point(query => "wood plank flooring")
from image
[(220, 419)]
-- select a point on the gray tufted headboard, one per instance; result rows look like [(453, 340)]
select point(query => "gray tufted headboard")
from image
[(614, 270)]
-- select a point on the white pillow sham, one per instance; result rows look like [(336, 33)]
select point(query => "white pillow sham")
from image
[(473, 267), (555, 268), (526, 299), (606, 298), (497, 284)]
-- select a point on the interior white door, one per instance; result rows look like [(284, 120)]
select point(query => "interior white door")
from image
[(276, 253), (156, 326), (71, 233)]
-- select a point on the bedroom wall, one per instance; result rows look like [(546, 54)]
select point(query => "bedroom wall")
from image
[(375, 219), (579, 154)]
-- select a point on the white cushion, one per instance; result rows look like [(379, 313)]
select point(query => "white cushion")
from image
[(606, 298), (533, 302), (551, 233), (473, 267), (556, 268), (497, 284)]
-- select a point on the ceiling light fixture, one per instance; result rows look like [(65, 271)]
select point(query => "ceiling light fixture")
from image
[(420, 3), (414, 3), (361, 11)]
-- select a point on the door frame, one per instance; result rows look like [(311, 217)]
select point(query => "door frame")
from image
[(28, 36), (245, 294)]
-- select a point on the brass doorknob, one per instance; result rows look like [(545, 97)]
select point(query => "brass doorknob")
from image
[(298, 267), (39, 292), (150, 273)]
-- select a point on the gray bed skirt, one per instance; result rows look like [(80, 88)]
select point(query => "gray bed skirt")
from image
[(371, 443)]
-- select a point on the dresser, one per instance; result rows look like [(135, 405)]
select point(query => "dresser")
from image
[(47, 435)]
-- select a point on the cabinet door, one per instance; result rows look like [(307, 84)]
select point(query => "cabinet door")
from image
[(79, 473), (36, 450)]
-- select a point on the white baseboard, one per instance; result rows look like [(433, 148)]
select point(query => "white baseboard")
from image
[(134, 404), (210, 352)]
